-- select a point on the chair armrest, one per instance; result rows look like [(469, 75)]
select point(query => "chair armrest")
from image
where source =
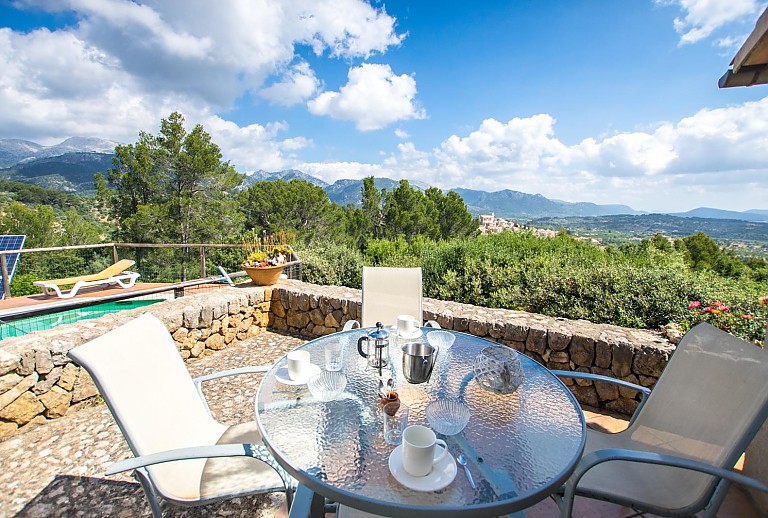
[(594, 458), (195, 452), (221, 374), (606, 379), (351, 324), (231, 372)]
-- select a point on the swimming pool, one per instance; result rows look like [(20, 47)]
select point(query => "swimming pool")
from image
[(41, 322)]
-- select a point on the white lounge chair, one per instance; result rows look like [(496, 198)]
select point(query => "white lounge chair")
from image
[(677, 455), (115, 274), (182, 453), (387, 293)]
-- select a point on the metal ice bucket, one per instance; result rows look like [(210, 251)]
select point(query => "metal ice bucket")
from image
[(418, 361)]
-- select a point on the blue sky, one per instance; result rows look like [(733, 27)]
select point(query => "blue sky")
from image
[(602, 101)]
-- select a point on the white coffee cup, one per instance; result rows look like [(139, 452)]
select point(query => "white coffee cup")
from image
[(299, 365), (406, 325), (419, 450)]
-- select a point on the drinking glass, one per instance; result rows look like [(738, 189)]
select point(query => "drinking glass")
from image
[(395, 416), (334, 355)]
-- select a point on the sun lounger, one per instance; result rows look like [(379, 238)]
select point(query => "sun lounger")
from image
[(115, 274)]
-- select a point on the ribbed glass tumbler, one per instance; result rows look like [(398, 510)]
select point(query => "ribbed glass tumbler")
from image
[(498, 369)]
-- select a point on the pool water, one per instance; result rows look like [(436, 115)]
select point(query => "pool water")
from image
[(41, 322)]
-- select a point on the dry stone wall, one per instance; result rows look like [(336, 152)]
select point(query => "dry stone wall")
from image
[(633, 355), (38, 381)]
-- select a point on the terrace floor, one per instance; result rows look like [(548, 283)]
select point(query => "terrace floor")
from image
[(57, 469)]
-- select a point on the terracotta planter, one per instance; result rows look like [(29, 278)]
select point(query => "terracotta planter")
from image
[(264, 276)]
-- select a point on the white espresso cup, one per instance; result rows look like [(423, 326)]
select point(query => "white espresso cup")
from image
[(419, 450), (299, 365), (406, 325)]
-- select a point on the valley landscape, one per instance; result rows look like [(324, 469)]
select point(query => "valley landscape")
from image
[(69, 167)]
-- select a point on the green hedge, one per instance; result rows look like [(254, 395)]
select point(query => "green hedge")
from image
[(642, 287)]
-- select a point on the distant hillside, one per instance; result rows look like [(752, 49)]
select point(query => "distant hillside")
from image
[(13, 151), (519, 205), (646, 225), (286, 175), (70, 165), (341, 192), (350, 192), (70, 172), (706, 212)]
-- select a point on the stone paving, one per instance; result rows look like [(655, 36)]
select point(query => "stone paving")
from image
[(57, 469)]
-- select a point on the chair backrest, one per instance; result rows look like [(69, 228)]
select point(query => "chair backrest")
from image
[(119, 267), (142, 378), (389, 292), (709, 401)]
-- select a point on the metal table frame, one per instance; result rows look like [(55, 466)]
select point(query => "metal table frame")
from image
[(312, 490)]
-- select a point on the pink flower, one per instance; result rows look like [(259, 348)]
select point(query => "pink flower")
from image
[(694, 305), (747, 317), (708, 310)]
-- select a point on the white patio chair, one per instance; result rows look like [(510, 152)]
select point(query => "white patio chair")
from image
[(182, 453), (677, 454), (387, 293)]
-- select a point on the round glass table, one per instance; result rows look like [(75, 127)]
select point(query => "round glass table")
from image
[(521, 447)]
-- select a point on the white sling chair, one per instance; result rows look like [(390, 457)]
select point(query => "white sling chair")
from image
[(387, 293), (182, 453), (676, 456)]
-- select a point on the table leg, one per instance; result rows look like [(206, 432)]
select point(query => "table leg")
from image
[(307, 503)]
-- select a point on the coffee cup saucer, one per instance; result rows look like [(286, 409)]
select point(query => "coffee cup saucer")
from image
[(283, 377), (442, 474), (415, 334)]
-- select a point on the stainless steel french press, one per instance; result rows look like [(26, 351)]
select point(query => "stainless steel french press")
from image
[(377, 350)]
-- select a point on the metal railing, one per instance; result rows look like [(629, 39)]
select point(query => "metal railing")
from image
[(154, 262)]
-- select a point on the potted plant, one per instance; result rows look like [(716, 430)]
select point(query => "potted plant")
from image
[(267, 256), (265, 266)]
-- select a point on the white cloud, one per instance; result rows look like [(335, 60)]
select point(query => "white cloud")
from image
[(373, 98), (254, 146), (401, 133), (715, 157), (54, 86), (123, 65), (703, 17), (298, 84)]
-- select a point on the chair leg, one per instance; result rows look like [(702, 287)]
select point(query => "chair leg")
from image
[(717, 499), (289, 495), (149, 491)]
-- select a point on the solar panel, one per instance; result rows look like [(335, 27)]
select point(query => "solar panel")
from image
[(11, 260)]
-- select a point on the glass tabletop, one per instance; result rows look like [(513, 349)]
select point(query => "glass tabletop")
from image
[(521, 446)]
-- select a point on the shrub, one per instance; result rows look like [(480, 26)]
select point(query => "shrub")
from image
[(331, 265), (642, 286), (744, 318)]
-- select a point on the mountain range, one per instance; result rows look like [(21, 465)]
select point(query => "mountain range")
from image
[(70, 165)]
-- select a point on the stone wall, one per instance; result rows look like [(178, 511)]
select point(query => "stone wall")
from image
[(634, 355), (39, 382)]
